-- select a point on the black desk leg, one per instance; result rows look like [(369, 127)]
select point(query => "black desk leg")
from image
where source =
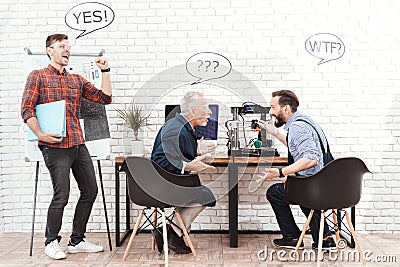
[(233, 205), (34, 207), (117, 229), (127, 210), (104, 203), (118, 239)]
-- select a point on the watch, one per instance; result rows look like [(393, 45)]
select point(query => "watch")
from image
[(281, 173), (184, 163), (105, 70)]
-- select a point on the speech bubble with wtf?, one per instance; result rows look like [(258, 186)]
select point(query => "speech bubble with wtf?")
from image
[(325, 46)]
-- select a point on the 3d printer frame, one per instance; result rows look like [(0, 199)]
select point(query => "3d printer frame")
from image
[(234, 148)]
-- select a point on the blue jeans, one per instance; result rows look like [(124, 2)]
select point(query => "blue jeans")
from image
[(59, 161), (284, 216)]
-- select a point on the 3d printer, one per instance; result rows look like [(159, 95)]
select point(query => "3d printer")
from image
[(257, 142)]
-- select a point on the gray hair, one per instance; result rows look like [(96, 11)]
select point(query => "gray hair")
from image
[(189, 101)]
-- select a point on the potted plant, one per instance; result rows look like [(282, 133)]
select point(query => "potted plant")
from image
[(135, 118)]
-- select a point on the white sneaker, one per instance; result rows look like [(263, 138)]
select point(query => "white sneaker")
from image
[(54, 251), (84, 246)]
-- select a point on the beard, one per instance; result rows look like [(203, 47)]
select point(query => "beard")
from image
[(278, 121)]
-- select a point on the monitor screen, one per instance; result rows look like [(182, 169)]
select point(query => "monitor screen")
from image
[(209, 132)]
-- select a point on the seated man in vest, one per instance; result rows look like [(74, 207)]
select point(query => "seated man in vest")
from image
[(305, 158)]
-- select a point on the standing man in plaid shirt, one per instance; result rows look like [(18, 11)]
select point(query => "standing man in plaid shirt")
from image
[(60, 155)]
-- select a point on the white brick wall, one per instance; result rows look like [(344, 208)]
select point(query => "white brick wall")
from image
[(355, 98)]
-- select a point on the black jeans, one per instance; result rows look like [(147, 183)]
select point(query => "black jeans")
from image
[(59, 161), (284, 216)]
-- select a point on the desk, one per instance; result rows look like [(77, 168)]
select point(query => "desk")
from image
[(219, 161), (233, 163)]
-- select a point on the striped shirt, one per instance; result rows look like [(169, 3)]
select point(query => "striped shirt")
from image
[(303, 141), (49, 85)]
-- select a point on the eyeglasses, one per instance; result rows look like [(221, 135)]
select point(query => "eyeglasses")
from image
[(61, 46)]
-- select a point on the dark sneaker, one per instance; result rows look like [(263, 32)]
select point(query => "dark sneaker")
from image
[(158, 237), (176, 243), (327, 245), (287, 243)]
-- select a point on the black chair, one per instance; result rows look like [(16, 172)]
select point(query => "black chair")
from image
[(152, 187), (336, 187)]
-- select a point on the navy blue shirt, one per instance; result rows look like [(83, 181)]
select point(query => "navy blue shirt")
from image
[(175, 142)]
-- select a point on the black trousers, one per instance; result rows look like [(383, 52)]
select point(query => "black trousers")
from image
[(284, 216), (59, 162)]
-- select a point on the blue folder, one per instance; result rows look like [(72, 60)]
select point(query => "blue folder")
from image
[(51, 118)]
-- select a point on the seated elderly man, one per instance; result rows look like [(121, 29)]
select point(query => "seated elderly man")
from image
[(176, 150)]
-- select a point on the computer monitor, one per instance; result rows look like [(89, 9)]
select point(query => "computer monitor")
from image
[(208, 132)]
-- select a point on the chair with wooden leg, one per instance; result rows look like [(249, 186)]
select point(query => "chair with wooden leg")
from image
[(336, 187), (154, 188), (153, 241)]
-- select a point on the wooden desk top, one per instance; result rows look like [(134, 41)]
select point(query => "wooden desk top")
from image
[(119, 160), (224, 160), (263, 160)]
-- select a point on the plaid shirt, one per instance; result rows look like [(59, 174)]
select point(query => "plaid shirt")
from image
[(49, 85)]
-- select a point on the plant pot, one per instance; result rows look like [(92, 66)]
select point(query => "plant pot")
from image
[(137, 148)]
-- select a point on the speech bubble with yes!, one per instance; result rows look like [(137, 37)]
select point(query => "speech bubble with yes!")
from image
[(89, 17), (325, 46), (207, 66)]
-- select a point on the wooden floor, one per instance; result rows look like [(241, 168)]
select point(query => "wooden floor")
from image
[(212, 250)]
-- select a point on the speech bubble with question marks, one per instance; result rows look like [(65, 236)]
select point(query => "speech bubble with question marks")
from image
[(207, 66), (89, 17), (325, 46)]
